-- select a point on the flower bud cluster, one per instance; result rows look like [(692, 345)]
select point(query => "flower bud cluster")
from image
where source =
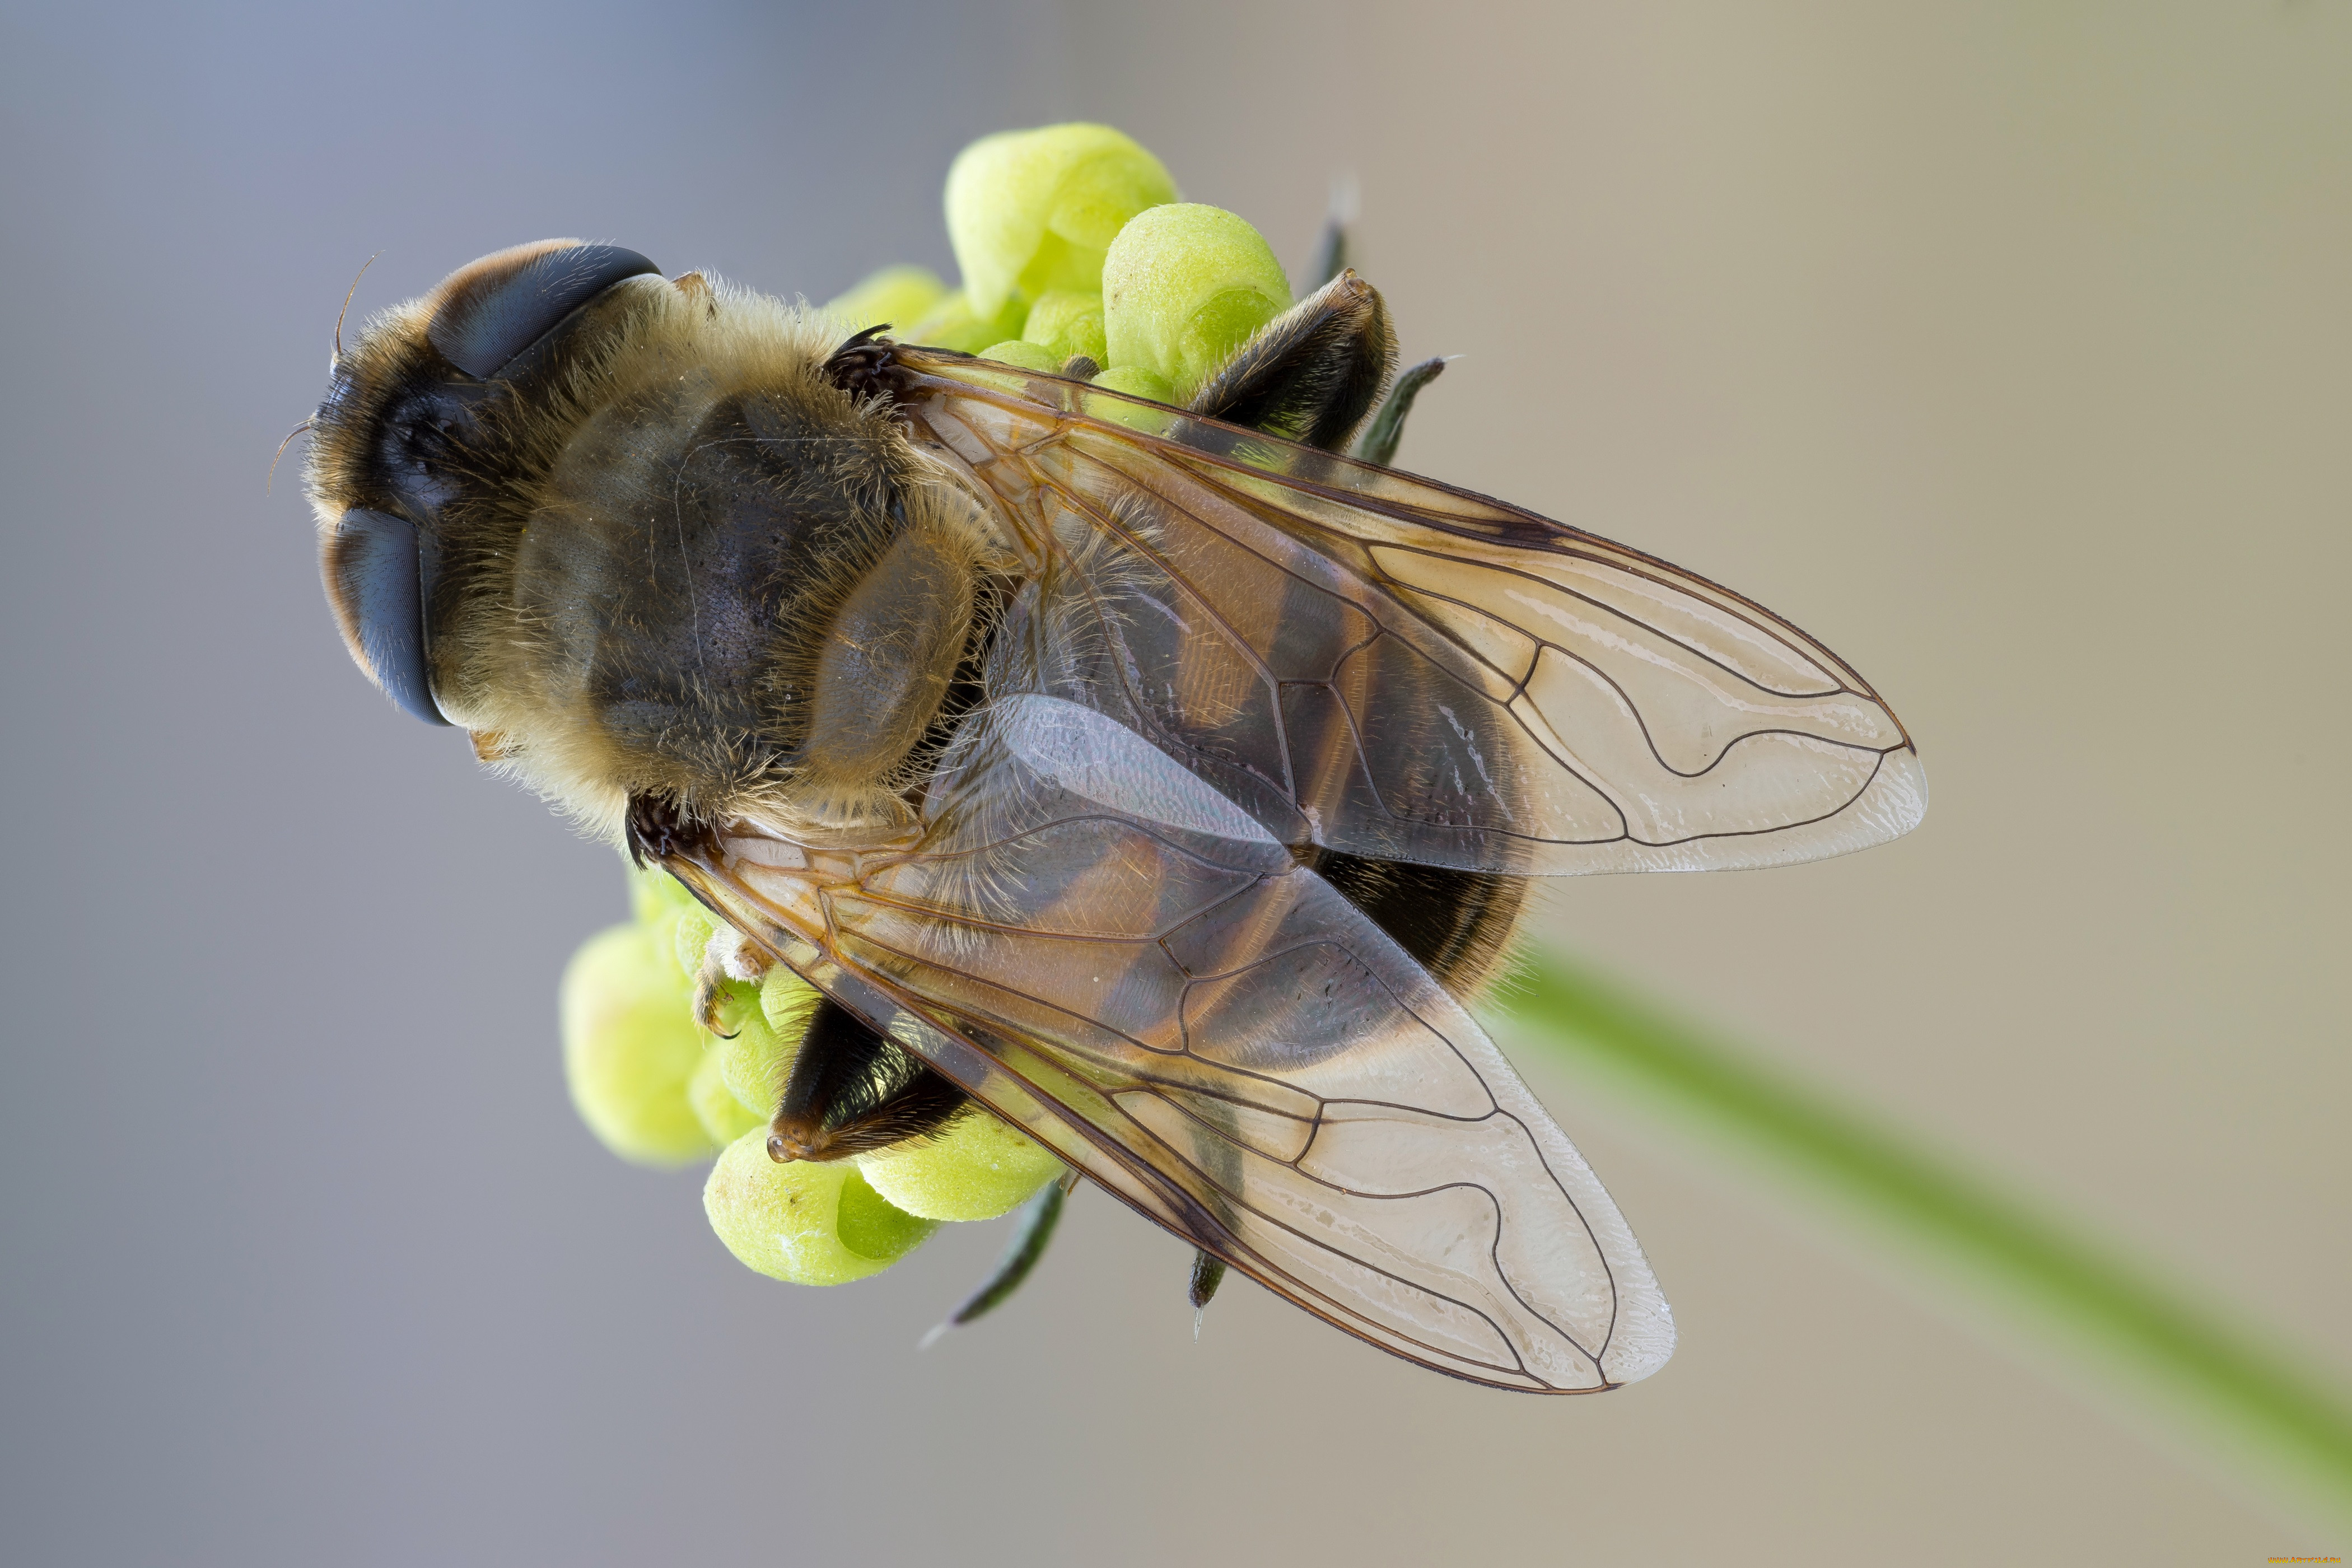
[(1072, 242), (659, 1089)]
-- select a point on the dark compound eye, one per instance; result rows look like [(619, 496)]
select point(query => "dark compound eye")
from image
[(376, 583), (491, 310)]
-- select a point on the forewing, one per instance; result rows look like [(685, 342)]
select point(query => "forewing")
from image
[(1381, 665), (1110, 955)]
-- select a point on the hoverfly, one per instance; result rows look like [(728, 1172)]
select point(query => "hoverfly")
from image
[(1158, 779)]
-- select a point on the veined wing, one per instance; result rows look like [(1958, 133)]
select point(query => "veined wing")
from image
[(1107, 951), (1385, 666)]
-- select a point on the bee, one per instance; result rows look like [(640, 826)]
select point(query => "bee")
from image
[(1161, 780)]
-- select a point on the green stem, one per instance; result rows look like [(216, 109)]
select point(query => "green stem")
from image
[(2056, 1279)]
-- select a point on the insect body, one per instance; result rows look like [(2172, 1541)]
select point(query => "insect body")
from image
[(1156, 779)]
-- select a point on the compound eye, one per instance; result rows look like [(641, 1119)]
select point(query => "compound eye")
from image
[(377, 585), (488, 311)]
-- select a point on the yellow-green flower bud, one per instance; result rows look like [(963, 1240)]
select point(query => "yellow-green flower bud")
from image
[(952, 323), (808, 1223), (1024, 355), (723, 1116), (982, 1166), (630, 1048), (755, 1063), (1033, 210), (871, 1226), (897, 295), (1068, 321), (1185, 285), (654, 893), (785, 1002), (1137, 381), (690, 938)]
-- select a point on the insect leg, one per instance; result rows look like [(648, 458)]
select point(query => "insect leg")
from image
[(853, 1089), (1311, 374), (728, 956)]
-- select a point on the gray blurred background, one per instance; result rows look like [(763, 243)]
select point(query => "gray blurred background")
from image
[(2005, 347)]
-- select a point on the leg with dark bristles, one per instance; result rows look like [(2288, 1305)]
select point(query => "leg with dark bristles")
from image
[(853, 1089), (1311, 374)]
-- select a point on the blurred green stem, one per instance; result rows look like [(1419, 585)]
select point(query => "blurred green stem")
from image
[(2056, 1279)]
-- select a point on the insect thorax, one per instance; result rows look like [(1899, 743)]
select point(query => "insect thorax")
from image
[(709, 582)]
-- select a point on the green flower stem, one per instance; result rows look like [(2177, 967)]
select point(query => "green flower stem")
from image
[(2052, 1276)]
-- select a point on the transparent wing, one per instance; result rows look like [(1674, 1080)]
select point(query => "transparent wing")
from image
[(1109, 953), (1385, 666)]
